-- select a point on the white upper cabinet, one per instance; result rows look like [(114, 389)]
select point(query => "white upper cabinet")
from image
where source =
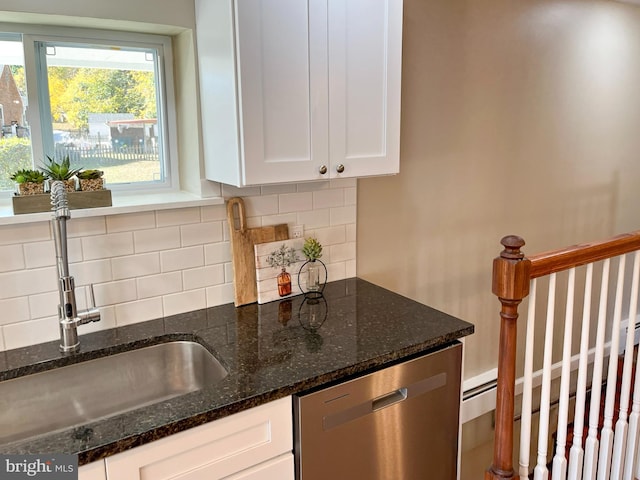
[(291, 89)]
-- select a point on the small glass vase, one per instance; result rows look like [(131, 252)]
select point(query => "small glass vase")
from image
[(284, 283), (313, 276)]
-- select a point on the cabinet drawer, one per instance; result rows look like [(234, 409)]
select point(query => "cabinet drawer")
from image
[(212, 451), (280, 468)]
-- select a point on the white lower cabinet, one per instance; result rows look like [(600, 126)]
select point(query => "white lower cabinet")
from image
[(280, 468), (255, 444), (92, 471)]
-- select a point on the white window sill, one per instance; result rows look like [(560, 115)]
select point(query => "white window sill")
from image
[(122, 203)]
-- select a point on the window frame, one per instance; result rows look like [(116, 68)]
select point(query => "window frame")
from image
[(35, 76)]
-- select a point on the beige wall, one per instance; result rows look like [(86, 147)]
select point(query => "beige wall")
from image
[(517, 117)]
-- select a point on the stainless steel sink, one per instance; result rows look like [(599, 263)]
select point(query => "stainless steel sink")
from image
[(77, 394)]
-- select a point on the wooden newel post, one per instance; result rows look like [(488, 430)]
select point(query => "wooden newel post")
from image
[(511, 275)]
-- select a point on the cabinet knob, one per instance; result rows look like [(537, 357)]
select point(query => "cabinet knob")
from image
[(322, 169), (340, 168)]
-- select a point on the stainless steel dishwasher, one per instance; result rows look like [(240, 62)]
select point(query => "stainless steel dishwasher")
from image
[(398, 423)]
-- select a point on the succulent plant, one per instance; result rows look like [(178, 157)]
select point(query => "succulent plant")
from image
[(59, 170), (89, 174), (312, 249), (28, 175)]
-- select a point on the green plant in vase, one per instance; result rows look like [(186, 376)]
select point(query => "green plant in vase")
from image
[(30, 182), (283, 257), (61, 170), (91, 180), (312, 251)]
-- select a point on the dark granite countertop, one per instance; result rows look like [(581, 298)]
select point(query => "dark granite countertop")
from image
[(271, 351)]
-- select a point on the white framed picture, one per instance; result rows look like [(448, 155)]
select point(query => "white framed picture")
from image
[(277, 267)]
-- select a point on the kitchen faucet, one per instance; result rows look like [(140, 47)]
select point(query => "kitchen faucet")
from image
[(68, 316)]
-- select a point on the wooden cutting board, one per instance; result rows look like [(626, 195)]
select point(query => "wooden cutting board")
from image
[(242, 241)]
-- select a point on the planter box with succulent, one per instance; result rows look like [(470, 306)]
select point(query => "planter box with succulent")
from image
[(32, 197), (91, 180), (61, 170), (30, 182)]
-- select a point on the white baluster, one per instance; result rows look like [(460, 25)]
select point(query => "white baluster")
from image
[(541, 472), (606, 434), (576, 454), (632, 434), (559, 470), (525, 419), (591, 443)]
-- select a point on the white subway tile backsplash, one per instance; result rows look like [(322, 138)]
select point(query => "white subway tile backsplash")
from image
[(328, 198), (182, 258), (44, 304), (260, 206), (107, 246), (11, 258), (114, 293), (25, 232), (80, 227), (201, 233), (343, 182), (228, 272), (217, 253), (156, 239), (138, 311), (40, 254), (30, 332), (295, 202), (343, 215), (178, 216), (135, 265), (314, 186), (87, 273), (312, 219), (27, 282), (148, 264), (289, 219), (350, 196), (14, 310), (280, 188), (131, 221), (331, 235), (219, 294), (350, 268), (157, 285), (203, 277), (350, 233), (231, 191), (343, 252), (184, 302), (336, 271), (213, 213)]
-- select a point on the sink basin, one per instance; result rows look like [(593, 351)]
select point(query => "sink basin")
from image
[(77, 394)]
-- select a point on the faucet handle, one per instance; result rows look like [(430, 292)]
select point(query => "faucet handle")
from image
[(92, 297)]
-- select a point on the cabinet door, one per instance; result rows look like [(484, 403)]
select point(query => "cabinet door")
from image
[(211, 451), (365, 61), (92, 471), (282, 55)]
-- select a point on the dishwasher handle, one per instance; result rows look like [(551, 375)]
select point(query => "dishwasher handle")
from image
[(416, 389), (389, 399)]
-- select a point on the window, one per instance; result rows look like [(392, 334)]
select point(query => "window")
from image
[(103, 99)]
